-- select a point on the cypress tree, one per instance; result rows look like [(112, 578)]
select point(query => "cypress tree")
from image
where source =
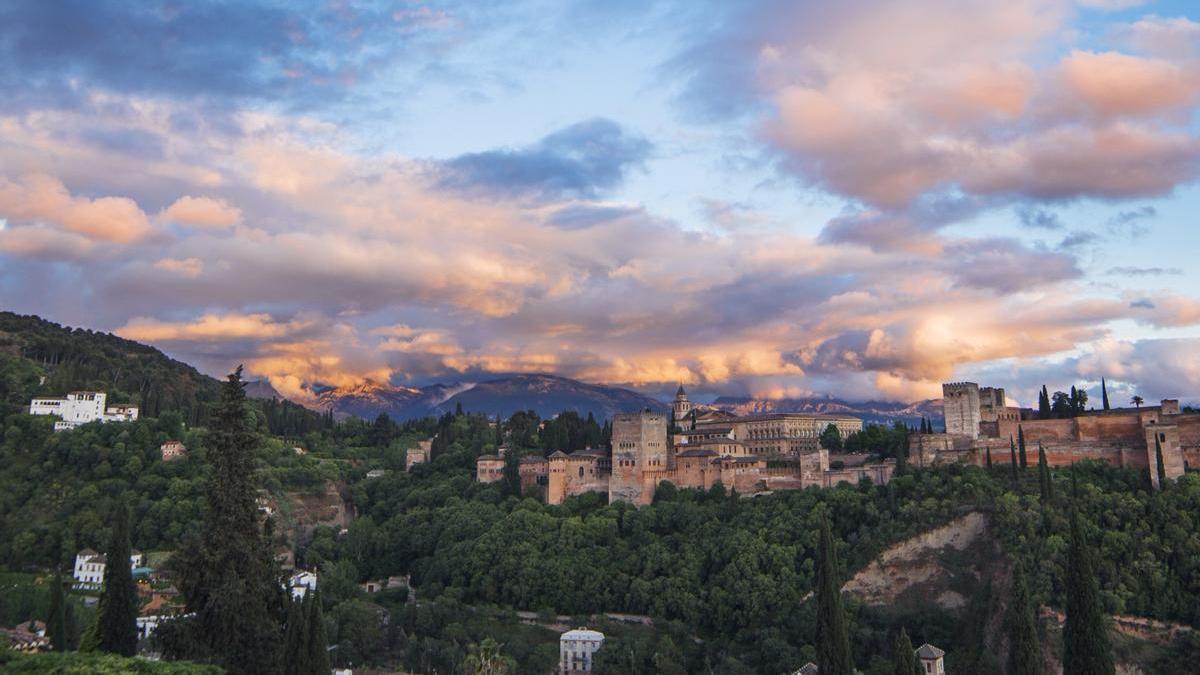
[(1044, 474), (904, 657), (228, 576), (1158, 458), (1044, 404), (317, 642), (1024, 651), (988, 457), (1012, 461), (295, 640), (1021, 445), (1104, 392), (512, 472), (1086, 647), (116, 621), (833, 638), (56, 619)]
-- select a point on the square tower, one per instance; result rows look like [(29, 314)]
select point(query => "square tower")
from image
[(960, 406), (639, 444)]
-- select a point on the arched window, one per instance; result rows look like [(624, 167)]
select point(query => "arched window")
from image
[(581, 472)]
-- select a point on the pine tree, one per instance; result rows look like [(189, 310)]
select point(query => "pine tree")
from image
[(1161, 468), (904, 657), (1044, 475), (1086, 647), (228, 576), (1012, 462), (1020, 623), (295, 640), (318, 642), (833, 638), (116, 621), (1104, 393), (56, 619), (988, 457), (1021, 445)]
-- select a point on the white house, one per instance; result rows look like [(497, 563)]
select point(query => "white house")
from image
[(575, 650), (301, 583), (81, 407), (931, 659), (89, 565)]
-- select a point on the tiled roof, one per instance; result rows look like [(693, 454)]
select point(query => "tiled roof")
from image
[(928, 651)]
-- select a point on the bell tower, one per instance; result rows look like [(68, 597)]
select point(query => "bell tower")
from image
[(682, 407)]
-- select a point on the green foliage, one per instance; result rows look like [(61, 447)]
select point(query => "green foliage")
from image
[(316, 643), (831, 438), (77, 663), (227, 575), (1021, 446), (904, 657), (1024, 650), (295, 639), (1086, 646), (116, 623), (1104, 393), (833, 638)]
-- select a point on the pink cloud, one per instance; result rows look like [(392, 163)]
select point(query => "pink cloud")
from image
[(39, 198), (202, 212)]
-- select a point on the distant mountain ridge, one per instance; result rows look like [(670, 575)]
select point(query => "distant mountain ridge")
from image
[(547, 395), (878, 412)]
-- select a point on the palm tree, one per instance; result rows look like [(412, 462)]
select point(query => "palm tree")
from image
[(1137, 401)]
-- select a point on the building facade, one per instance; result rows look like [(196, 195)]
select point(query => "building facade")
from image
[(89, 565), (82, 407), (576, 649)]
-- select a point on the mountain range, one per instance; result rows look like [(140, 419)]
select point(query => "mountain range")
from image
[(879, 412)]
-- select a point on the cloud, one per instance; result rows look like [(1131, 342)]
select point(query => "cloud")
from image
[(202, 212), (41, 199), (1031, 216), (1176, 38), (581, 160), (189, 267), (210, 328), (1142, 271)]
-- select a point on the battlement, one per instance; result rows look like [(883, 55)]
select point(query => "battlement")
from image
[(959, 387)]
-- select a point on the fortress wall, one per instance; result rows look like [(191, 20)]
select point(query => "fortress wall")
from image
[(1110, 428), (1047, 431)]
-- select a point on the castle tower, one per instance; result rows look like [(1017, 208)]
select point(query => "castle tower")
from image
[(682, 407), (556, 486), (639, 444), (960, 406)]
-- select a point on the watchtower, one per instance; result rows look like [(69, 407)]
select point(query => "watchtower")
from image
[(960, 406)]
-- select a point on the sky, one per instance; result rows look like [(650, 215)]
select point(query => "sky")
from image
[(861, 199)]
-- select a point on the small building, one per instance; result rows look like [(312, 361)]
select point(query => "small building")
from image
[(89, 565), (809, 668), (534, 470), (301, 583), (376, 473), (489, 468), (299, 451), (931, 659), (575, 650), (21, 640), (172, 450), (419, 454)]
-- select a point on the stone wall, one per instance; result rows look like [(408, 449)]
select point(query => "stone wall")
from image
[(960, 401)]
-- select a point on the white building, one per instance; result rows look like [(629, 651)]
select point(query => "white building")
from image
[(301, 583), (931, 659), (575, 650), (89, 565), (81, 407)]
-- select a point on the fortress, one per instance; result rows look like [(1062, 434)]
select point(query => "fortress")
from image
[(979, 422), (749, 454)]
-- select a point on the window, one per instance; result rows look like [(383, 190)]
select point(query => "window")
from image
[(1162, 437), (581, 472)]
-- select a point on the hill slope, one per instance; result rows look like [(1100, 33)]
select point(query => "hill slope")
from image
[(869, 411)]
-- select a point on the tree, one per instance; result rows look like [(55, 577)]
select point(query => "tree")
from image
[(1137, 401), (1104, 393), (831, 438), (1020, 623), (1012, 461), (116, 621), (512, 472), (988, 457), (1086, 647), (228, 576), (489, 660), (1021, 446), (1061, 407), (904, 657), (56, 619), (833, 638), (1044, 404), (318, 641), (295, 641), (1047, 488), (1161, 469)]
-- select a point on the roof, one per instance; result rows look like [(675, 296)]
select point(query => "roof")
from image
[(928, 651), (557, 454), (532, 459), (681, 392), (86, 552), (482, 458), (809, 668), (696, 453), (582, 634)]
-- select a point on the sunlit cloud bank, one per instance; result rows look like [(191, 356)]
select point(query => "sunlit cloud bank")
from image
[(234, 219)]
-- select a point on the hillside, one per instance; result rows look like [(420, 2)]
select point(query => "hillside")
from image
[(547, 395), (39, 357), (880, 412)]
